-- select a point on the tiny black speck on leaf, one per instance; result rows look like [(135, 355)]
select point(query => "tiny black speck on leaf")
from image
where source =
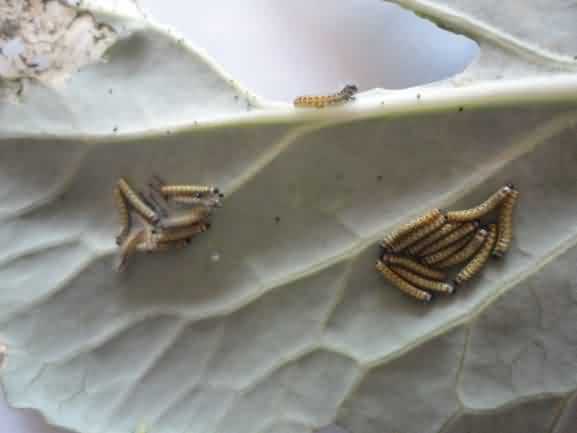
[(277, 219), (115, 129), (461, 109)]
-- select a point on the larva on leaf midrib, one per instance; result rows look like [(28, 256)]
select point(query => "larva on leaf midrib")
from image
[(321, 101)]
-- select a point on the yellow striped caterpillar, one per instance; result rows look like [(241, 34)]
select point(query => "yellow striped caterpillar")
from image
[(137, 202), (425, 219), (505, 224), (123, 214), (467, 252), (414, 266), (463, 231), (418, 234), (402, 284), (433, 237), (443, 254), (484, 208), (478, 261), (345, 95), (421, 282)]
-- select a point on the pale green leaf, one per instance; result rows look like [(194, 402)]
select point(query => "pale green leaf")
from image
[(275, 320)]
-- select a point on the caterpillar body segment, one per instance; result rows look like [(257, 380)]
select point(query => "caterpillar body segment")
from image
[(163, 246), (446, 252), (403, 285), (123, 214), (505, 230), (432, 238), (190, 218), (136, 201), (484, 208), (421, 282), (418, 234), (178, 234), (392, 238), (466, 252), (321, 101), (414, 266), (478, 261), (463, 231), (128, 247)]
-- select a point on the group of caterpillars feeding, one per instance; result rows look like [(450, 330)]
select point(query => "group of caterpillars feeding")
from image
[(170, 216), (416, 257), (345, 95)]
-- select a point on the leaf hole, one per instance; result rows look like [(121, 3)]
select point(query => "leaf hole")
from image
[(281, 50)]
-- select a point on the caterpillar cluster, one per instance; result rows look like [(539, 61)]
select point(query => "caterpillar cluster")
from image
[(417, 257), (169, 216)]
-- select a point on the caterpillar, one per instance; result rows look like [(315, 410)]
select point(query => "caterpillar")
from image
[(414, 266), (433, 237), (181, 191), (191, 217), (187, 190), (418, 234), (162, 246), (178, 234), (478, 261), (402, 284), (345, 95), (487, 206), (467, 252), (505, 233), (137, 202), (424, 283), (124, 215), (128, 247), (463, 231), (425, 219), (441, 255), (210, 200)]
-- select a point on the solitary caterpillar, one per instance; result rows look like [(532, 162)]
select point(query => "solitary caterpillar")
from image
[(427, 218), (456, 235), (345, 95), (506, 224), (416, 267), (137, 202), (467, 252), (477, 263), (422, 282), (419, 233), (484, 208), (402, 284)]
